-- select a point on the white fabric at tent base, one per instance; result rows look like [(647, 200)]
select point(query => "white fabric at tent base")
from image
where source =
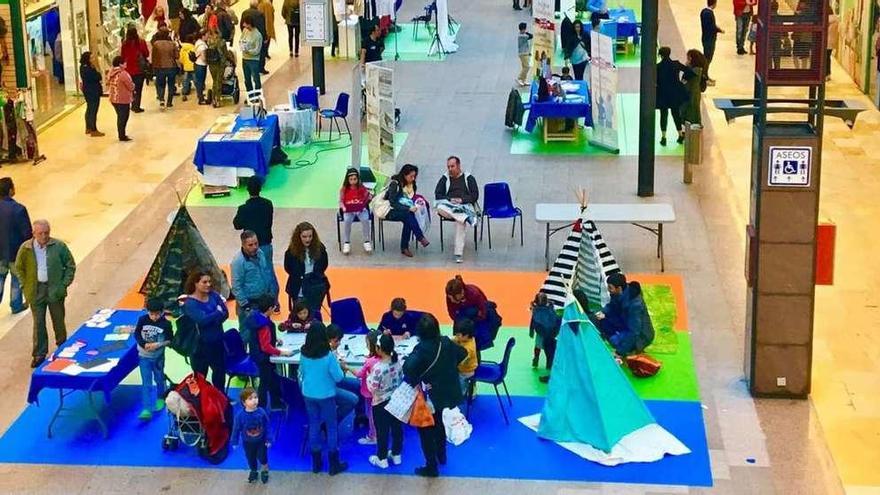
[(647, 444)]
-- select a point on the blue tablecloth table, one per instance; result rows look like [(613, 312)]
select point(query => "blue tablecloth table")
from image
[(626, 22), (560, 109), (253, 154), (87, 381)]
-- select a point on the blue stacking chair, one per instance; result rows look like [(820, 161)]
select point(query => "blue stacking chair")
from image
[(238, 362), (307, 97), (493, 374), (497, 203), (349, 315), (340, 112)]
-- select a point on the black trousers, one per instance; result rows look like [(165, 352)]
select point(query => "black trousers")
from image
[(211, 355), (256, 452), (263, 53), (579, 70), (433, 440), (138, 91), (386, 424), (268, 383), (709, 52), (676, 118), (92, 104), (293, 38), (122, 113)]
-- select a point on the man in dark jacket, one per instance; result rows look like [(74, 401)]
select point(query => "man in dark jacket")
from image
[(15, 228), (256, 214), (624, 322), (457, 194), (710, 32)]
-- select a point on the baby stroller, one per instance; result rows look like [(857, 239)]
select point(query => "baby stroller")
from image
[(230, 87), (199, 416)]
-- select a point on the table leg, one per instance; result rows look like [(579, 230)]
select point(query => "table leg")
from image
[(660, 253), (97, 415), (547, 248), (57, 412)]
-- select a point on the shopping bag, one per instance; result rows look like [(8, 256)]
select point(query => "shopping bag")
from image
[(422, 412), (401, 402), (457, 427)]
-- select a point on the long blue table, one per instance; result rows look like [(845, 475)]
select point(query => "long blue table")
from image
[(626, 23), (254, 154), (87, 381), (560, 109)]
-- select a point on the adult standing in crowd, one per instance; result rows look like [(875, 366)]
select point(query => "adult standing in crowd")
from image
[(189, 26), (216, 55), (290, 13), (671, 93), (401, 190), (46, 269), (251, 44), (136, 55), (305, 262), (174, 8), (15, 227), (201, 66), (225, 22), (578, 50), (257, 214), (122, 90), (434, 362), (268, 10), (164, 56), (258, 22), (92, 91), (457, 194), (207, 309), (710, 31), (742, 13), (693, 77), (252, 276)]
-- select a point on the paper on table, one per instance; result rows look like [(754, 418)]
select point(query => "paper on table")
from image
[(111, 337), (97, 324), (213, 138), (72, 370)]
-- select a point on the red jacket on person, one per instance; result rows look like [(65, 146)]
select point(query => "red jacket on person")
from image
[(354, 200), (130, 52), (473, 298)]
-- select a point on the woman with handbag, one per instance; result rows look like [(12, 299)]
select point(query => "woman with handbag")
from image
[(434, 362), (136, 54), (401, 191), (319, 372), (207, 309), (305, 262)]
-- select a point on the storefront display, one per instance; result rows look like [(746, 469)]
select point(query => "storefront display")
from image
[(857, 43)]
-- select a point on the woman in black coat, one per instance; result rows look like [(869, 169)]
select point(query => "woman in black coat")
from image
[(92, 91), (671, 93), (442, 382), (305, 262)]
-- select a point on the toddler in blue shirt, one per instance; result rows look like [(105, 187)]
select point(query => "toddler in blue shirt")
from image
[(252, 424)]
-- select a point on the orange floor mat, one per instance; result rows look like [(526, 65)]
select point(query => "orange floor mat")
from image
[(424, 290)]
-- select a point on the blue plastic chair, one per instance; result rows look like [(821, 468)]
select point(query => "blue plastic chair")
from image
[(493, 374), (340, 112), (238, 362), (497, 203), (307, 97), (349, 315)]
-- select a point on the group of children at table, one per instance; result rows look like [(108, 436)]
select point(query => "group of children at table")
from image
[(320, 372)]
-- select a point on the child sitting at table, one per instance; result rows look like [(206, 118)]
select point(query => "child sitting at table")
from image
[(463, 335), (252, 425), (153, 332), (398, 321), (372, 340), (566, 74), (354, 201), (300, 319), (383, 380)]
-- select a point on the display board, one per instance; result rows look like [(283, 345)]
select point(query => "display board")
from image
[(316, 17), (380, 117), (356, 106), (544, 32), (603, 93)]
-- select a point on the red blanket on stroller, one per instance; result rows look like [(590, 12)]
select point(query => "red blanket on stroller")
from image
[(210, 405)]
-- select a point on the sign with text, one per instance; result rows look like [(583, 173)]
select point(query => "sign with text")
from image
[(790, 166), (315, 19)]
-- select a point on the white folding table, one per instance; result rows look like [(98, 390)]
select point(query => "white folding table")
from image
[(637, 214)]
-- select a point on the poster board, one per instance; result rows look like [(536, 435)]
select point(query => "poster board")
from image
[(316, 17), (380, 118), (356, 106), (603, 93)]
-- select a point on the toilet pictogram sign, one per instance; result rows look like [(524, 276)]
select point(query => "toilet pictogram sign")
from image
[(790, 166)]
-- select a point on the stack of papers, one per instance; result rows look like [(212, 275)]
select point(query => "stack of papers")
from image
[(113, 337), (247, 134), (101, 319), (223, 125), (71, 350), (214, 138), (75, 369)]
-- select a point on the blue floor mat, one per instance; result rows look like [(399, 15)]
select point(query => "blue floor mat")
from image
[(78, 441)]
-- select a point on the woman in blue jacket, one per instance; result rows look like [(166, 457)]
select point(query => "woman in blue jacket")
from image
[(207, 309)]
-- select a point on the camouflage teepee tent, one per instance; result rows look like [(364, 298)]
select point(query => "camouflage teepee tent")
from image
[(182, 251)]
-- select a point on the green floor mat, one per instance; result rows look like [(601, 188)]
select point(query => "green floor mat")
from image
[(410, 48), (523, 143), (314, 185), (661, 307)]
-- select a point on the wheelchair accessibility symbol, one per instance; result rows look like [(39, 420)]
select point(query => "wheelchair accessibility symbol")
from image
[(790, 166)]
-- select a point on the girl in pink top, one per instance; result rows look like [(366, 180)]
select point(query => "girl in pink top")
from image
[(372, 359)]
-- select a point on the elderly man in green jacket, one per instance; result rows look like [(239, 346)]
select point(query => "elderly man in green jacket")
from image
[(46, 268)]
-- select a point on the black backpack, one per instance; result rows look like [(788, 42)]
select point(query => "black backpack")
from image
[(186, 337)]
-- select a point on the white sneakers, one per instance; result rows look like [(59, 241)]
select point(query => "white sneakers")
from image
[(383, 463), (346, 247), (366, 441), (459, 258)]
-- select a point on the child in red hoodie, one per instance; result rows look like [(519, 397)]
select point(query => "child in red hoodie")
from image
[(354, 201)]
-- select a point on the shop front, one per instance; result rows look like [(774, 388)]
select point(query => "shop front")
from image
[(857, 42)]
